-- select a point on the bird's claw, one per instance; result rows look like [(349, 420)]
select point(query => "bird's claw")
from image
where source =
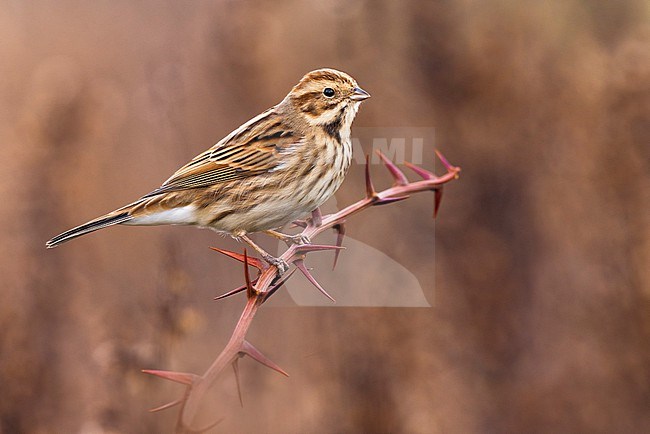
[(278, 263), (290, 239), (297, 239)]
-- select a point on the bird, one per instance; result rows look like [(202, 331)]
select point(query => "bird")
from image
[(274, 169)]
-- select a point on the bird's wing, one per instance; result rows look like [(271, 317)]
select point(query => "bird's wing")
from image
[(254, 148)]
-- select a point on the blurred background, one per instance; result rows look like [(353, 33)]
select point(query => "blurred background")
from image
[(540, 288)]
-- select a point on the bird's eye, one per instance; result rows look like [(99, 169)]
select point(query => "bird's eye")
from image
[(328, 92)]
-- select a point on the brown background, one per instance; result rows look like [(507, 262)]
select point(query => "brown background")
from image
[(541, 296)]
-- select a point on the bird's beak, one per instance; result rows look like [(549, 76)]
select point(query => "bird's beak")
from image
[(359, 94)]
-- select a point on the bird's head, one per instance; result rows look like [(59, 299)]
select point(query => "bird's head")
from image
[(325, 96)]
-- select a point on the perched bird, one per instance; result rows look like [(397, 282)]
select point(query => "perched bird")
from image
[(272, 170)]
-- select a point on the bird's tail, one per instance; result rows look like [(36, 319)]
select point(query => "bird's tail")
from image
[(91, 226)]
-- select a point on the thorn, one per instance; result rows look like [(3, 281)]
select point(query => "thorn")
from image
[(306, 248), (438, 198), (398, 176), (445, 163), (300, 264), (235, 367), (424, 174), (255, 262), (232, 292), (299, 223), (388, 200), (316, 217), (166, 406), (250, 291), (370, 189), (178, 377), (340, 234), (254, 353), (277, 286)]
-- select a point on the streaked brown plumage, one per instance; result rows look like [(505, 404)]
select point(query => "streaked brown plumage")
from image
[(274, 169)]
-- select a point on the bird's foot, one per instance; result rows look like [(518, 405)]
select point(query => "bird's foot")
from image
[(296, 239), (278, 263), (290, 239)]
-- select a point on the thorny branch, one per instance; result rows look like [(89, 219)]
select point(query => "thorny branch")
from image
[(268, 281)]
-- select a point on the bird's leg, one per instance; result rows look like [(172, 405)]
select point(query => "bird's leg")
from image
[(280, 264), (289, 239)]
